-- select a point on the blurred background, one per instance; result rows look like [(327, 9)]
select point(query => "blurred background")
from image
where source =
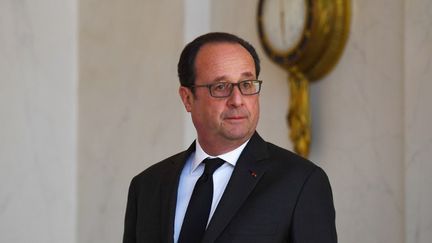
[(88, 99)]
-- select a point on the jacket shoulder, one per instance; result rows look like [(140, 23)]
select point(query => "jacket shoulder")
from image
[(277, 152), (157, 171), (287, 161)]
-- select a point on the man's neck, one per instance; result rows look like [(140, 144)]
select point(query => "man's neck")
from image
[(215, 149)]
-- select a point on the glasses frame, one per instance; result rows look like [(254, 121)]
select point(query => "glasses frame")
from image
[(209, 86)]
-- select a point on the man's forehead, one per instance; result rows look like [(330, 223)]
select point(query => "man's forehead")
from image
[(223, 61), (222, 52)]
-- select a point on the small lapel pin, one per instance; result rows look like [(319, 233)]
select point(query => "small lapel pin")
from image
[(253, 173)]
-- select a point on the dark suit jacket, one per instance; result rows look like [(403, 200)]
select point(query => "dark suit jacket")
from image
[(273, 196)]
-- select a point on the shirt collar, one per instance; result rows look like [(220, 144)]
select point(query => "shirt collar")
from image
[(230, 157)]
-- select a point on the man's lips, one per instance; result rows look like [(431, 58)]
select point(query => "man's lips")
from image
[(235, 117)]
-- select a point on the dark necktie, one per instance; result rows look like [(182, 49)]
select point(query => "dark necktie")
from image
[(198, 210)]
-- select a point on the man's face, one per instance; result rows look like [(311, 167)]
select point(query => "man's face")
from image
[(222, 124)]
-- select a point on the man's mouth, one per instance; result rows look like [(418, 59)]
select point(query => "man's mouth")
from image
[(235, 118)]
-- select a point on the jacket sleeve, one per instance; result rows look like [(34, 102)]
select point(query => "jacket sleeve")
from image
[(314, 215), (129, 235)]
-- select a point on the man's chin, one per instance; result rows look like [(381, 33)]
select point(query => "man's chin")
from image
[(238, 135)]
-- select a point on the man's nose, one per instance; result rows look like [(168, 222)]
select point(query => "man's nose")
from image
[(236, 97)]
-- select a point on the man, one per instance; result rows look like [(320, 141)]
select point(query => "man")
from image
[(255, 191)]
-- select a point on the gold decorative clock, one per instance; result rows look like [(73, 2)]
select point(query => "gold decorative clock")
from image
[(306, 38)]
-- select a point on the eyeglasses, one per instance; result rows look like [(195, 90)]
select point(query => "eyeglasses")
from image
[(225, 89)]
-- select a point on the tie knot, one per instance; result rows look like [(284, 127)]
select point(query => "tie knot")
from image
[(212, 164)]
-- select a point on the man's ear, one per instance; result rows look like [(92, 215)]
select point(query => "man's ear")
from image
[(187, 97)]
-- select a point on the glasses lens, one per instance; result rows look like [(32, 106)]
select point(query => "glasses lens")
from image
[(224, 89), (250, 87), (220, 89)]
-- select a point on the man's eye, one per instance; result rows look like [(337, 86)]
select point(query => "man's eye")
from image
[(246, 85), (220, 86)]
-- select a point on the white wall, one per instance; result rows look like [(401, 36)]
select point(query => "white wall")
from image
[(418, 120), (130, 115), (358, 129), (38, 121)]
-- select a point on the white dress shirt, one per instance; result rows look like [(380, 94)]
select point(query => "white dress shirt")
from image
[(192, 170)]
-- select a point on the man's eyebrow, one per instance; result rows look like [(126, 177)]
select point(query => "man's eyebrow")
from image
[(220, 78), (248, 74), (224, 78)]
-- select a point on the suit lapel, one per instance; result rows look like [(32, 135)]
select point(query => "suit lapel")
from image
[(248, 171), (169, 193)]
